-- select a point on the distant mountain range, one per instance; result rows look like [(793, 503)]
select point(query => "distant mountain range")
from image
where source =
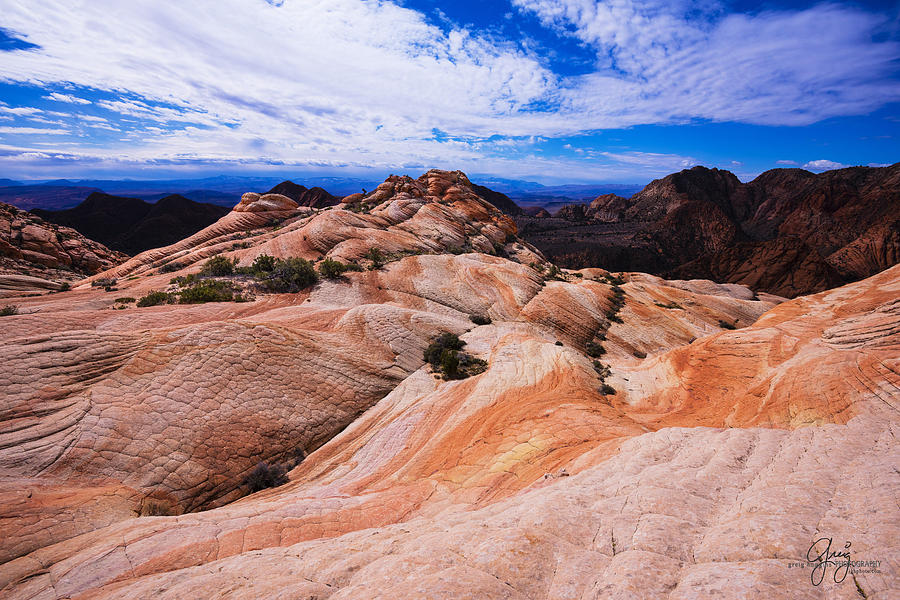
[(131, 225), (787, 232), (226, 190)]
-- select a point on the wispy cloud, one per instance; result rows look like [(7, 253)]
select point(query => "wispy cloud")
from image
[(366, 83), (67, 98), (33, 131)]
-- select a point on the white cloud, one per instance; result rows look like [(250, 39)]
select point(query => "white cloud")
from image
[(792, 163), (338, 82), (32, 131), (67, 98), (20, 111), (823, 165)]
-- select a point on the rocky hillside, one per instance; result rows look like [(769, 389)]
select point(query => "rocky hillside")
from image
[(583, 428), (787, 232), (36, 256), (131, 225)]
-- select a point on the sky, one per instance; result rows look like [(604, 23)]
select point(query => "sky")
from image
[(554, 91)]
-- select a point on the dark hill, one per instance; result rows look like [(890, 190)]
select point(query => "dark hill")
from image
[(787, 232), (132, 225), (313, 197), (501, 201)]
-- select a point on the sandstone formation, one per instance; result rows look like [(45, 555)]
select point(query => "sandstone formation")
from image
[(38, 256), (739, 427), (787, 232)]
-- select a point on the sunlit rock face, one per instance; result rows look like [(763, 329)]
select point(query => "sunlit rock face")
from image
[(716, 435)]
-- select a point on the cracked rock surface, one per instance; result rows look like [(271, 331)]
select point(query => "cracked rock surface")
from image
[(721, 457)]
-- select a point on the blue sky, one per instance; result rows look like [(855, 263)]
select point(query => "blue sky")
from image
[(554, 91)]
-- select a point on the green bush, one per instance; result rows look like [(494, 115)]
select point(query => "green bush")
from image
[(208, 291), (726, 325), (156, 298), (446, 341), (125, 300), (218, 266), (263, 264), (331, 269), (450, 363), (184, 280), (444, 356), (607, 390), (480, 319), (9, 310), (558, 343), (104, 282), (266, 476), (595, 350), (376, 257), (65, 287), (171, 267), (291, 275), (639, 354)]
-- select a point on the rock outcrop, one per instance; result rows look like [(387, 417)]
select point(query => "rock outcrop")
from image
[(629, 436), (706, 223), (38, 256)]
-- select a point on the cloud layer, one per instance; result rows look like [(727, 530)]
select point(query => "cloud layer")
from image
[(371, 83)]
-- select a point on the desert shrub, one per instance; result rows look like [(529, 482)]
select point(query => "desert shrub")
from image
[(171, 267), (558, 343), (104, 282), (444, 356), (152, 507), (263, 264), (331, 269), (480, 319), (616, 279), (639, 354), (553, 272), (218, 266), (156, 298), (579, 275), (450, 363), (291, 275), (266, 476), (595, 350), (726, 325), (607, 390), (9, 310), (614, 317), (446, 341), (125, 300), (670, 305), (208, 291), (65, 287), (376, 257), (183, 280)]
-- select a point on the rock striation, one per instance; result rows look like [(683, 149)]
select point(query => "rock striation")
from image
[(630, 436)]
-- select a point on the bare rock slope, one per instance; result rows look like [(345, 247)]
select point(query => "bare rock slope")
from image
[(629, 436)]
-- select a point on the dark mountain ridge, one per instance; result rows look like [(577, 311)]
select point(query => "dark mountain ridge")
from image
[(132, 225), (787, 232)]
